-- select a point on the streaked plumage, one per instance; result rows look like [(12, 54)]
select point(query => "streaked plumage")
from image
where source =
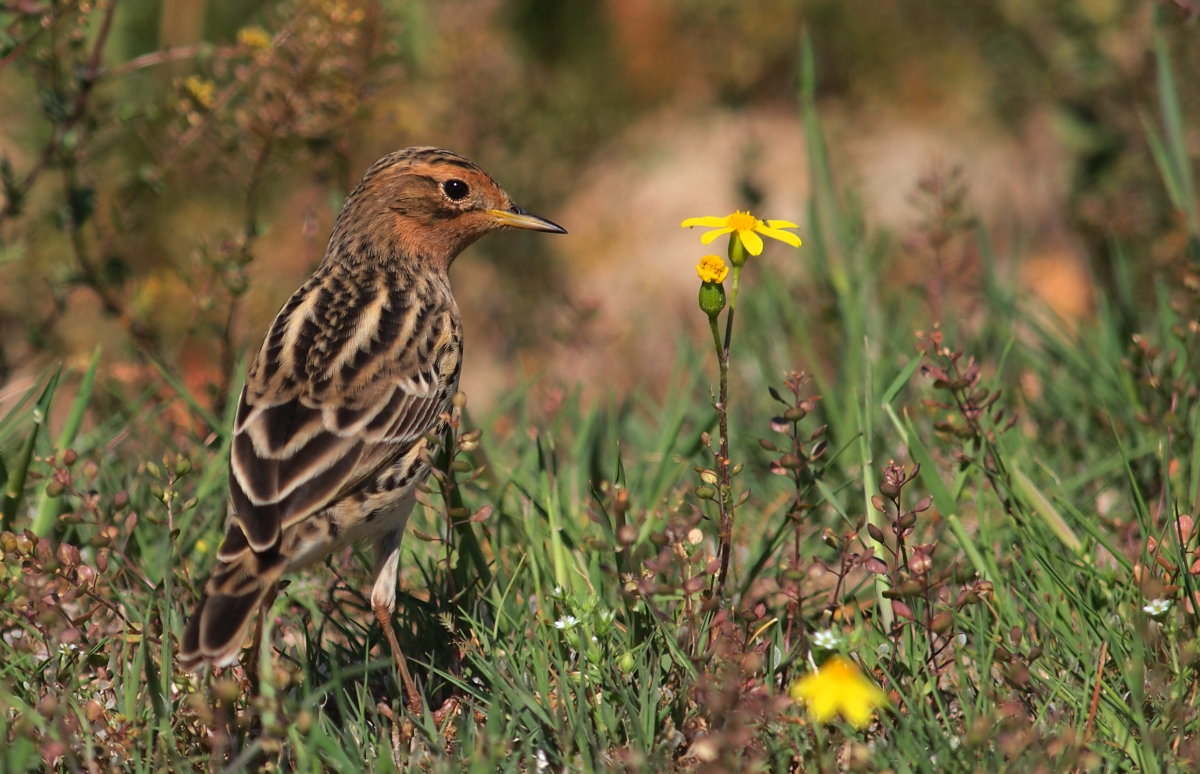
[(354, 375)]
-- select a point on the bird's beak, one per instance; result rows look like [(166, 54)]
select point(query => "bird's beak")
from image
[(518, 218)]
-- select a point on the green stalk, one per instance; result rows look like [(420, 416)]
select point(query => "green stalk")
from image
[(50, 505), (15, 492), (737, 257)]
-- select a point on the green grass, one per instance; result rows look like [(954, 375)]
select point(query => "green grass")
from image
[(570, 617)]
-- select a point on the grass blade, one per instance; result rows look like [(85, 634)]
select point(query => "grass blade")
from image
[(49, 505), (15, 492)]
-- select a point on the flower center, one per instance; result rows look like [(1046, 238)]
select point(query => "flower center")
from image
[(742, 221), (712, 269)]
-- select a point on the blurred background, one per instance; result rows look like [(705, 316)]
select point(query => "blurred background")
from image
[(171, 170)]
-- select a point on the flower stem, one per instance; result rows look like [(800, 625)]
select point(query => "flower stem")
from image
[(724, 469)]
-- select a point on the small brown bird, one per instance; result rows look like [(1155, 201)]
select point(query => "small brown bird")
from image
[(355, 373)]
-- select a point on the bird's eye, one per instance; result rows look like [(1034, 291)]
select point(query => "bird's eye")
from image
[(456, 189)]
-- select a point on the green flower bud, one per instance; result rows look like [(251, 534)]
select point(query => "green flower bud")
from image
[(737, 250), (712, 298)]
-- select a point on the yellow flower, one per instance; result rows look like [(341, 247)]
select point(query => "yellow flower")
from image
[(747, 228), (712, 269), (254, 37), (200, 89), (837, 687)]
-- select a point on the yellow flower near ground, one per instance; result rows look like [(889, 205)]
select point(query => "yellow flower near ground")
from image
[(747, 229), (712, 269), (838, 687)]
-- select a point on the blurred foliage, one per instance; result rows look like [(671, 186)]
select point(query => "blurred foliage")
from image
[(152, 147)]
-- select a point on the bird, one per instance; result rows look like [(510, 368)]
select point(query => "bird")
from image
[(352, 383)]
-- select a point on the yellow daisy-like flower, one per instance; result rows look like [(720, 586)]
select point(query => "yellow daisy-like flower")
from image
[(254, 37), (200, 89), (747, 228), (712, 269), (838, 687)]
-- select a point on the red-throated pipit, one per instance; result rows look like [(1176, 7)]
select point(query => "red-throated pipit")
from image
[(355, 374)]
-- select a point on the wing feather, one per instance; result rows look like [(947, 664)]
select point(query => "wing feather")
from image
[(307, 435)]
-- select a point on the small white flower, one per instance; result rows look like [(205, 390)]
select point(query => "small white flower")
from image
[(558, 591), (961, 639), (566, 622), (1156, 607), (827, 639)]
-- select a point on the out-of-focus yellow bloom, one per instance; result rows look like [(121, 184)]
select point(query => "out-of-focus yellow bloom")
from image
[(712, 268), (254, 37), (200, 89), (838, 687), (747, 229)]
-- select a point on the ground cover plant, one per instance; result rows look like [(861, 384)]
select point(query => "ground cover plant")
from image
[(878, 519)]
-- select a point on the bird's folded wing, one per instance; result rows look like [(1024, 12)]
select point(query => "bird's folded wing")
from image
[(301, 442), (290, 458)]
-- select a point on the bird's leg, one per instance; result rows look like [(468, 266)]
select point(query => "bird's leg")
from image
[(256, 643), (383, 602)]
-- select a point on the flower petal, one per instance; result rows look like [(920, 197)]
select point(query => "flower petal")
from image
[(709, 236), (751, 241), (712, 221), (858, 713), (804, 688), (781, 224), (786, 237), (823, 707)]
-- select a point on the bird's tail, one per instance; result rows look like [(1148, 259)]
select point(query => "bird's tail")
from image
[(242, 581)]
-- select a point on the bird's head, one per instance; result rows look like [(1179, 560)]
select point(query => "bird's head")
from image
[(425, 204)]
